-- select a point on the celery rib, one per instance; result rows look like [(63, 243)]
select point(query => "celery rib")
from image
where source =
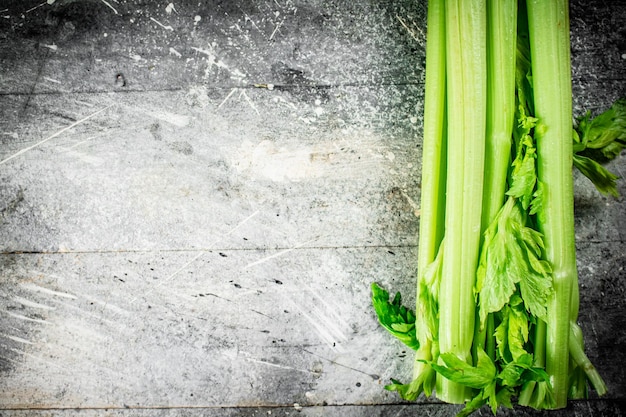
[(466, 83), (550, 59), (433, 191)]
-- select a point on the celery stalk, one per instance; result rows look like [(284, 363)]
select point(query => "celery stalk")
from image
[(548, 23), (497, 291), (433, 190), (466, 24), (501, 54)]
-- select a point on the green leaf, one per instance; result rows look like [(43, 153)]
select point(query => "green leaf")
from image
[(524, 171), (408, 392), (512, 332), (606, 129), (393, 316), (474, 404), (536, 206), (511, 255), (604, 180), (599, 140), (457, 370), (500, 265), (424, 382), (503, 397)]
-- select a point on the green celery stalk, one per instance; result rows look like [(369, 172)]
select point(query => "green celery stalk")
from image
[(501, 56), (548, 23), (433, 191), (466, 61)]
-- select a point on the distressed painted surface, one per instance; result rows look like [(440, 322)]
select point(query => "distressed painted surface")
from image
[(194, 200)]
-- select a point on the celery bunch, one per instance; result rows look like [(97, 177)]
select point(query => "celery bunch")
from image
[(497, 287)]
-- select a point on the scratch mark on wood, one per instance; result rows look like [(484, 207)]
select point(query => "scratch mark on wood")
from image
[(28, 303), (276, 29), (9, 360), (411, 31), (105, 305), (281, 253), (373, 376), (37, 288), (36, 7), (227, 97), (168, 27), (263, 314), (65, 129), (182, 268), (276, 365), (109, 5), (21, 317), (52, 80), (335, 321), (243, 93), (21, 352), (248, 19), (412, 203), (17, 339), (328, 326), (172, 118)]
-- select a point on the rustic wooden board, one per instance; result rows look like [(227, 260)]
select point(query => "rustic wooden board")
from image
[(197, 235)]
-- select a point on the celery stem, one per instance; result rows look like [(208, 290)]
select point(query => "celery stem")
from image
[(466, 23), (548, 23)]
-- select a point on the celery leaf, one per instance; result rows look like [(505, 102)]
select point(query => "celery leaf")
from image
[(604, 180), (512, 332), (393, 316), (605, 130), (511, 256), (598, 140), (457, 370)]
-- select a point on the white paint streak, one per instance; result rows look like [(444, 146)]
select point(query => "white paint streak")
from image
[(65, 129), (212, 57), (21, 317), (227, 97), (37, 288), (32, 304), (17, 339), (36, 7), (243, 92), (52, 80), (170, 8), (281, 253), (276, 29), (248, 19), (335, 320), (324, 328), (109, 5), (276, 365), (172, 118), (21, 352), (175, 52), (161, 24)]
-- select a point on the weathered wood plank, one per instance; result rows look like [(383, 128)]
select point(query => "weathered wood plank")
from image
[(228, 328), (156, 172)]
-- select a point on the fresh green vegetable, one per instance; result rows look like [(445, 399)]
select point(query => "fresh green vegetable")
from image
[(598, 140), (497, 290)]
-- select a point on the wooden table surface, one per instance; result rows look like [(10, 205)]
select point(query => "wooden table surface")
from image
[(195, 197)]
